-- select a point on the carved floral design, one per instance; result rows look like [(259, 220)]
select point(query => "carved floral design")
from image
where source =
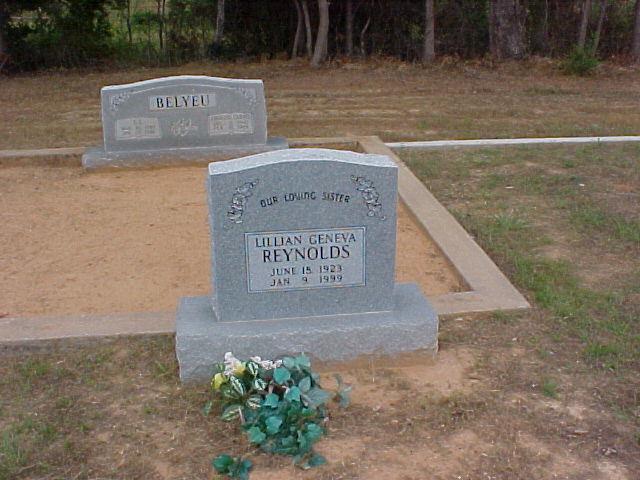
[(116, 100), (370, 196), (183, 127), (239, 201)]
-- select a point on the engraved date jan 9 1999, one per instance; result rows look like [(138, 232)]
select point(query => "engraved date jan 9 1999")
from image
[(305, 259)]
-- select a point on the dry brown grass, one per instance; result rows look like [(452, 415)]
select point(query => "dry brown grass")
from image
[(394, 100)]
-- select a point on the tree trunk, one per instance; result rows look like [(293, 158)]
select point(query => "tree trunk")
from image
[(160, 11), (299, 27), (128, 20), (635, 48), (584, 23), (349, 28), (307, 26), (601, 19), (322, 39), (507, 28), (429, 52), (217, 39), (4, 19), (363, 33)]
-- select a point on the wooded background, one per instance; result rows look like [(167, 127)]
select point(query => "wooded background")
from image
[(37, 34)]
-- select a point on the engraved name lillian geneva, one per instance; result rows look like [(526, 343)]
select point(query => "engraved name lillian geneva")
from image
[(305, 259)]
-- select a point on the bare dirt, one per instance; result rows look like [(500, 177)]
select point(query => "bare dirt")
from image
[(132, 241), (117, 411)]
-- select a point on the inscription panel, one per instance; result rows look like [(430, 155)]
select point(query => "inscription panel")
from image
[(305, 259), (139, 128), (231, 124)]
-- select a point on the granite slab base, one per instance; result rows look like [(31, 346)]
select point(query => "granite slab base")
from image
[(201, 341), (98, 158)]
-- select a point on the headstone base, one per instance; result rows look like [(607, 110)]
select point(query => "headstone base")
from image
[(97, 157), (201, 341)]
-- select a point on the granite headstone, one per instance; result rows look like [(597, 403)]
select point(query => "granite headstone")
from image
[(176, 119), (303, 260)]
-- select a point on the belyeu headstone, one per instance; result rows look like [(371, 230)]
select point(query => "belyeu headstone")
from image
[(170, 119), (303, 255)]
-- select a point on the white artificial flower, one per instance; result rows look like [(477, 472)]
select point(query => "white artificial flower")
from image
[(267, 364), (231, 363)]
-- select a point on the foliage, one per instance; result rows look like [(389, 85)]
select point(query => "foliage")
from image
[(280, 404), (43, 34), (63, 33), (233, 467), (581, 62)]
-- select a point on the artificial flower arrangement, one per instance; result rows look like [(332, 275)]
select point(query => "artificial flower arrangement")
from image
[(279, 404)]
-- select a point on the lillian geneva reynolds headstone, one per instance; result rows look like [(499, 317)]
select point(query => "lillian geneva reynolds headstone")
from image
[(303, 254), (177, 119)]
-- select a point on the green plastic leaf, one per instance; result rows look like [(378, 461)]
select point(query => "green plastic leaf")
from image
[(254, 401), (222, 463), (242, 469), (231, 412), (314, 461), (271, 400), (303, 361), (305, 384), (206, 410), (237, 385), (314, 432), (229, 392), (293, 394), (317, 460), (281, 375), (218, 368), (303, 442), (273, 424), (289, 362), (256, 435), (259, 384), (316, 397), (345, 397), (252, 368)]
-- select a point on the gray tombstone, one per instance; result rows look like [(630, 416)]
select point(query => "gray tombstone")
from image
[(302, 260), (177, 119)]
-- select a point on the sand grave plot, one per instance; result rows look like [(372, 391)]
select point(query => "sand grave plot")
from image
[(133, 241)]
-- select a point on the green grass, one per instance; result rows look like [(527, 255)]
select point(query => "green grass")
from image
[(595, 317), (549, 388), (12, 455), (18, 443), (518, 201), (588, 217)]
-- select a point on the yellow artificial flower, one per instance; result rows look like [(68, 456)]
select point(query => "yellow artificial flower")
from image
[(240, 368), (218, 380)]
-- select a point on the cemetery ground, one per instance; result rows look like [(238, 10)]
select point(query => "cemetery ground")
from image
[(395, 101), (548, 393)]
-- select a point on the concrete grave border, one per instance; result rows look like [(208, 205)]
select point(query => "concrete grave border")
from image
[(488, 288)]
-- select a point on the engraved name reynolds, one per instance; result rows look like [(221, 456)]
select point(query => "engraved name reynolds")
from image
[(305, 259)]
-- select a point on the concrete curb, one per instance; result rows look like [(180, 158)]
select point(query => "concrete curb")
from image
[(502, 142), (489, 288), (429, 144)]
